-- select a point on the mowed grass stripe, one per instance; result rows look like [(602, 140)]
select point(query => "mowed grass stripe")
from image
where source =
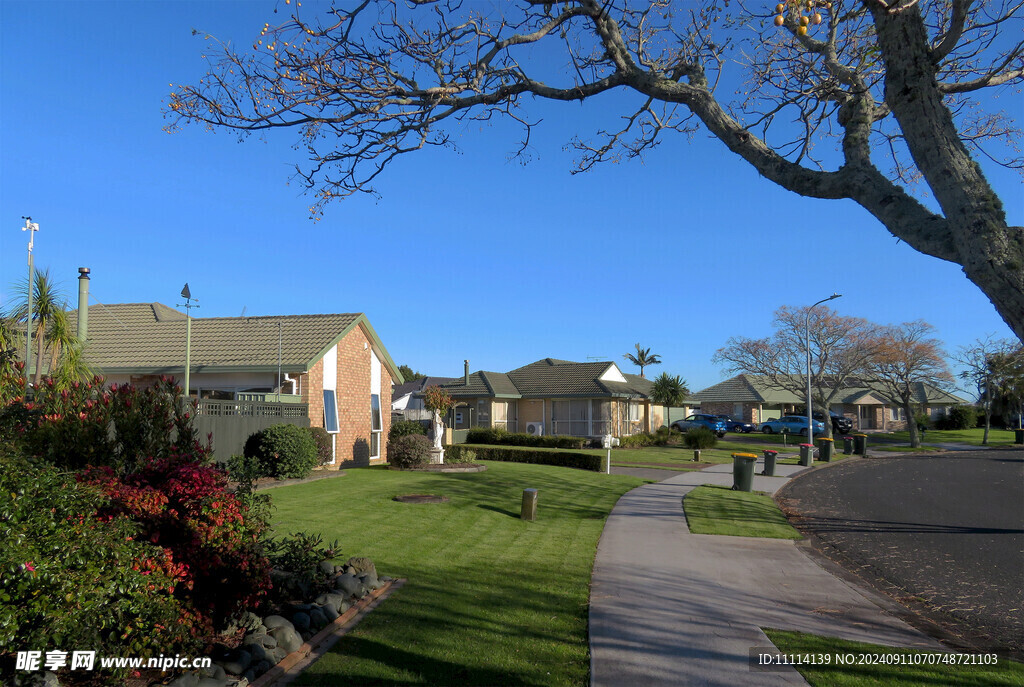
[(491, 599)]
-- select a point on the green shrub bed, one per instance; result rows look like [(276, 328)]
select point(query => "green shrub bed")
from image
[(283, 451), (565, 459), (499, 437)]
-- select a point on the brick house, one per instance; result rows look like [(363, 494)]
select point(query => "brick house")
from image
[(333, 365), (754, 399), (554, 397)]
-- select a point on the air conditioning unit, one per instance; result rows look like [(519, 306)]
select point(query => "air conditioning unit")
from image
[(535, 429)]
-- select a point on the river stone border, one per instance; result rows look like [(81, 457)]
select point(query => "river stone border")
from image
[(292, 665)]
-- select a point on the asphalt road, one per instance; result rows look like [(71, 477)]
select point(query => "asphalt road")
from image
[(942, 534)]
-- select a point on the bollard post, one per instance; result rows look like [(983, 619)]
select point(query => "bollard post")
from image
[(529, 510), (696, 455)]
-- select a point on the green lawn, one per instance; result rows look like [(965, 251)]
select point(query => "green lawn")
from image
[(491, 599), (1004, 673), (996, 437), (715, 509)]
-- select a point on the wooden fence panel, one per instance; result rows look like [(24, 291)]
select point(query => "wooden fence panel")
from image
[(232, 422)]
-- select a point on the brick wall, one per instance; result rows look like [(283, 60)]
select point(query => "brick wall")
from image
[(352, 442), (720, 408), (312, 386)]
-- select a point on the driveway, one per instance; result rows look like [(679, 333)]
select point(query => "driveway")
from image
[(943, 534)]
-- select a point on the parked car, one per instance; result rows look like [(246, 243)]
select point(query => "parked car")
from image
[(840, 424), (712, 422), (794, 424), (737, 425)]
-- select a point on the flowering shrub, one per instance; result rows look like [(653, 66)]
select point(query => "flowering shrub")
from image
[(68, 580), (184, 508), (137, 451), (83, 423)]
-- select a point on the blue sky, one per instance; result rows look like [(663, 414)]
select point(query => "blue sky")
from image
[(465, 255)]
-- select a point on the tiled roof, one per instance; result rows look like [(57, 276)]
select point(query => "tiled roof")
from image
[(419, 385), (150, 338), (549, 378), (757, 389)]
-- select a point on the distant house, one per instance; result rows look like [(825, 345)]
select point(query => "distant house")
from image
[(556, 397), (755, 399), (407, 398), (335, 365)]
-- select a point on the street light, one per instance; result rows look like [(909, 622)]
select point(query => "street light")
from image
[(807, 345), (188, 305), (31, 227)]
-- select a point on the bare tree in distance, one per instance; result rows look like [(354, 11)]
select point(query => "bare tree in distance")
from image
[(841, 348), (863, 96), (991, 366), (907, 358)]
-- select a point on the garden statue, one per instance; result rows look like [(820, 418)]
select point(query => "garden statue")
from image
[(439, 402), (436, 429)]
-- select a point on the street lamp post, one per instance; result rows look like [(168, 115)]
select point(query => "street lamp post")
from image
[(807, 347), (188, 305), (31, 227)]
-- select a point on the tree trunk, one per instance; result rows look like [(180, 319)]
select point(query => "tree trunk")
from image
[(908, 413), (41, 346), (990, 252)]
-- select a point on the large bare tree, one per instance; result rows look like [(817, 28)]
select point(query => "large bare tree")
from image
[(840, 349), (847, 99), (905, 359)]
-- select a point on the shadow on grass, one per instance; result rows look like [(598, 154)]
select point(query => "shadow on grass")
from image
[(426, 670), (498, 510)]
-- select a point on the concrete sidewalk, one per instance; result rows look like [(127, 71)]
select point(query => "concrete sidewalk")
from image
[(672, 608)]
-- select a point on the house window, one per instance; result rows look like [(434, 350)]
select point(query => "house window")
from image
[(500, 420), (896, 414), (376, 426), (330, 411), (569, 417)]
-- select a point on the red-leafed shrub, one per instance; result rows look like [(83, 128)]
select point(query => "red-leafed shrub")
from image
[(84, 423), (185, 508), (137, 448)]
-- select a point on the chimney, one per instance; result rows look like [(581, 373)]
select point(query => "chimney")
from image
[(83, 303), (466, 363)]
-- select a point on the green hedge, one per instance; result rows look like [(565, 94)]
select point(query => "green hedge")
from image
[(565, 459), (498, 436)]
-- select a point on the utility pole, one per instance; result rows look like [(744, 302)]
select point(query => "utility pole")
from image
[(31, 227)]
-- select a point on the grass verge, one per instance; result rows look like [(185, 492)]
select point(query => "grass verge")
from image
[(491, 599), (713, 509), (1004, 673), (996, 437)]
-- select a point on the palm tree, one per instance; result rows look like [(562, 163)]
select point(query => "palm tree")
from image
[(9, 338), (669, 392), (49, 322), (643, 358)]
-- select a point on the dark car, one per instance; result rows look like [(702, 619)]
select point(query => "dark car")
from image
[(700, 420), (841, 425), (737, 425)]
